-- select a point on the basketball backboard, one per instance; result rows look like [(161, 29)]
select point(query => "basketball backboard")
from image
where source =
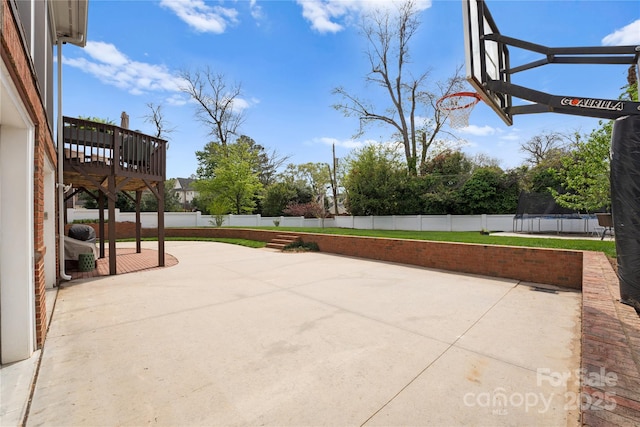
[(485, 59)]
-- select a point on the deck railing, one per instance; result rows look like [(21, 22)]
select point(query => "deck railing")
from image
[(93, 145)]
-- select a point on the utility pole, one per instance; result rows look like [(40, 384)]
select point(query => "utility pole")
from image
[(334, 181)]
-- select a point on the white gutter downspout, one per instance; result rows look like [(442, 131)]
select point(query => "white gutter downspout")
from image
[(60, 146)]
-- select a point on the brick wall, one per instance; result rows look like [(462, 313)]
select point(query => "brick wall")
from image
[(14, 56), (550, 266), (124, 230), (555, 267)]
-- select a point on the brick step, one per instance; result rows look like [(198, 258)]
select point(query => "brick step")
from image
[(282, 240), (279, 246)]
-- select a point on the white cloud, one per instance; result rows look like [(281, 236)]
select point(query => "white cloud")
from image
[(511, 136), (112, 67), (478, 131), (326, 16), (105, 52), (239, 104), (256, 10), (177, 100), (320, 13), (202, 17), (627, 35)]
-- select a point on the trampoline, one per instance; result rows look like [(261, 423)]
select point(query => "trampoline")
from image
[(539, 213)]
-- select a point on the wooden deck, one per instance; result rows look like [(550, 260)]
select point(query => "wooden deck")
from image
[(104, 159), (95, 151)]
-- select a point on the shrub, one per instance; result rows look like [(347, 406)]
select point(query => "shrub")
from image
[(307, 210), (300, 246)]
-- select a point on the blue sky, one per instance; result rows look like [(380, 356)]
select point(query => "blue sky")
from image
[(289, 55)]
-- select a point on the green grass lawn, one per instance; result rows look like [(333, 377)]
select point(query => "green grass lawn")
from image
[(241, 242), (608, 247)]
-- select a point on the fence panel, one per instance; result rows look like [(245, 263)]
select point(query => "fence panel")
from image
[(363, 222), (499, 223), (244, 220), (394, 222), (408, 222), (384, 223), (466, 223), (436, 222), (181, 219)]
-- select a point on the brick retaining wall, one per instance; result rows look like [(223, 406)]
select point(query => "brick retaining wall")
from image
[(550, 266)]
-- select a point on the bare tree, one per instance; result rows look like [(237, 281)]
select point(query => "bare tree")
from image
[(272, 162), (157, 119), (434, 126), (388, 35), (541, 147), (216, 101)]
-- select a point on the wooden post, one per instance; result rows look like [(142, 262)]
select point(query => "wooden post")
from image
[(101, 221), (112, 224), (138, 221), (160, 188)]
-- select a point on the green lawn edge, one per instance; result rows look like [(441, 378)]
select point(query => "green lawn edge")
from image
[(607, 247), (241, 242)]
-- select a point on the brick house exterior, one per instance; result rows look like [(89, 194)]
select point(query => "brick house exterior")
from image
[(29, 263)]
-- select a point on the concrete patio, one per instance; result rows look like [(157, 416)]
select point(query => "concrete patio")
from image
[(239, 336)]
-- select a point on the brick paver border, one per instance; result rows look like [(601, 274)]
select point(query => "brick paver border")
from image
[(610, 362)]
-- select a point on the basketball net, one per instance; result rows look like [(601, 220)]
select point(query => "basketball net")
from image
[(457, 108)]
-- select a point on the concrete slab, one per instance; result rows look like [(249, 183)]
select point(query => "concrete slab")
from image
[(239, 336), (16, 380), (464, 388), (527, 316)]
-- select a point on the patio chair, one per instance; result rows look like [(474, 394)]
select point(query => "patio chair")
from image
[(605, 222)]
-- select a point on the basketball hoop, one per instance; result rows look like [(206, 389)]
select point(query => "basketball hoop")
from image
[(457, 107)]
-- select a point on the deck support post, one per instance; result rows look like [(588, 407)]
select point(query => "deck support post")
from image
[(101, 221), (138, 221), (160, 196), (112, 224)]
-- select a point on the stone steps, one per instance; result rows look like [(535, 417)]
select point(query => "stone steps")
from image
[(282, 240)]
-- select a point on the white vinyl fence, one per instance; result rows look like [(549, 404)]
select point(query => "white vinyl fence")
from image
[(393, 222)]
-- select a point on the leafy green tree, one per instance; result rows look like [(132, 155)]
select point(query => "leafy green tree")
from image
[(201, 203), (489, 191), (375, 181), (276, 198), (235, 182), (124, 203), (314, 176), (443, 176), (541, 179), (585, 173), (106, 121), (266, 163), (208, 159), (631, 88)]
